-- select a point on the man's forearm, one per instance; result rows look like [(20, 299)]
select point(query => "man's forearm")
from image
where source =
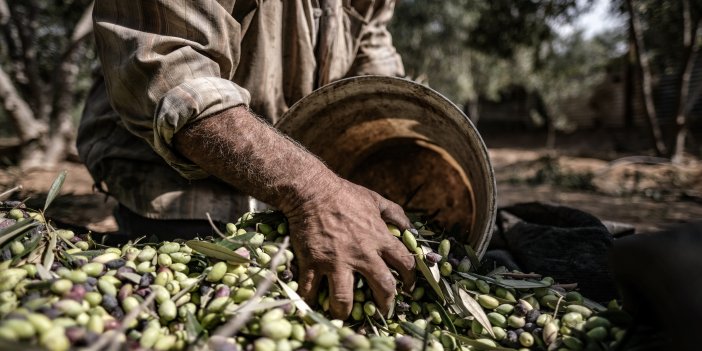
[(337, 228), (242, 150)]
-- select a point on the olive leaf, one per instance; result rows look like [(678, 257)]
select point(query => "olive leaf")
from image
[(135, 278), (300, 304), (521, 284), (431, 274), (497, 271), (425, 232), (266, 305), (445, 318), (317, 317), (448, 292), (92, 253), (29, 247), (391, 311), (38, 303), (236, 242), (8, 233), (216, 251), (472, 256), (43, 273), (268, 217), (372, 324), (382, 319), (457, 310), (477, 345), (593, 305), (49, 251), (303, 307), (39, 285), (35, 255), (65, 259), (55, 188), (413, 329), (193, 328), (472, 307), (507, 283)]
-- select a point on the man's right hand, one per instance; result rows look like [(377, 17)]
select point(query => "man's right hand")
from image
[(341, 230), (337, 228)]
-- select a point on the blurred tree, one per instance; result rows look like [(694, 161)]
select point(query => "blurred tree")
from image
[(691, 38), (666, 38), (468, 49), (43, 51)]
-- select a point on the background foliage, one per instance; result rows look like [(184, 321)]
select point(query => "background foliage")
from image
[(472, 51)]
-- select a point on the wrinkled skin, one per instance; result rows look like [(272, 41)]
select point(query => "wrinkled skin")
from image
[(342, 231), (337, 228)]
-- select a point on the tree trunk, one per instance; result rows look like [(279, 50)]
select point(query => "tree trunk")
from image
[(29, 130), (4, 13), (62, 136), (26, 25), (44, 123), (690, 50), (646, 81), (629, 89), (18, 111)]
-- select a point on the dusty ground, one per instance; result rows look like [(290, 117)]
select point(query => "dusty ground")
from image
[(77, 205), (648, 196)]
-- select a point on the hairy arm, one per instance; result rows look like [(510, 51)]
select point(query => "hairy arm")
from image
[(239, 148), (338, 228), (169, 66)]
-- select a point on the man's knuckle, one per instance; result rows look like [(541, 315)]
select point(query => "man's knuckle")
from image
[(409, 262), (387, 283), (343, 298), (395, 208)]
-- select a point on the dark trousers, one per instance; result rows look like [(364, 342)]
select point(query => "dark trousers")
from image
[(133, 226)]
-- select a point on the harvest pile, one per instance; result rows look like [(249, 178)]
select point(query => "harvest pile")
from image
[(59, 290)]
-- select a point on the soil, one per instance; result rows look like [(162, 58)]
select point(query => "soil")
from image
[(77, 205), (587, 173), (645, 192)]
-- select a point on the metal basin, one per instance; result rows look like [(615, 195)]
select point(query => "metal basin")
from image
[(405, 141)]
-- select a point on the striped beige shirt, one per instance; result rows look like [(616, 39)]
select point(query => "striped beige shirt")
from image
[(168, 63)]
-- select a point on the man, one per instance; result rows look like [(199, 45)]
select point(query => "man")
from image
[(171, 131)]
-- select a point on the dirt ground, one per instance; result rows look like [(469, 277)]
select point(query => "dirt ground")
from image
[(644, 192), (648, 196)]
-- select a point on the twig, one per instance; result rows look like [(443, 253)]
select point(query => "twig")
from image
[(520, 275), (111, 337), (382, 318), (245, 311), (558, 304), (214, 227), (427, 332), (372, 325), (10, 191), (224, 237), (428, 241), (569, 286), (182, 292)]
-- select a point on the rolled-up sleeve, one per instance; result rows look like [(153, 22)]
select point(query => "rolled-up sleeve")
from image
[(376, 53), (168, 63)]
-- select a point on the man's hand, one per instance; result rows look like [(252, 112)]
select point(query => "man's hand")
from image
[(337, 227), (342, 230)]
